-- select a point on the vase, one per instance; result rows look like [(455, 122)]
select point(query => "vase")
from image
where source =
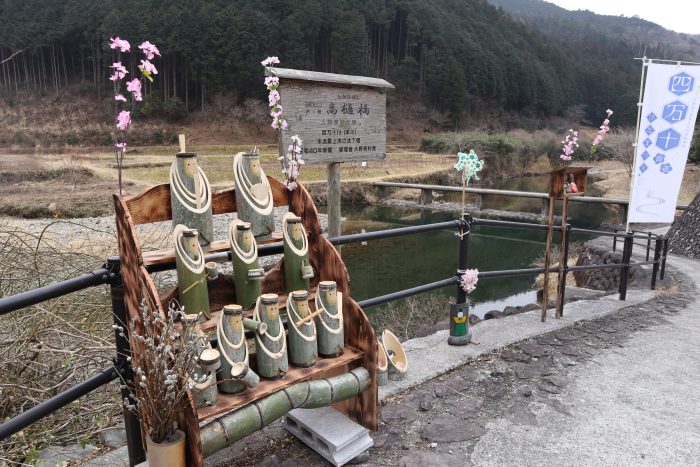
[(167, 453)]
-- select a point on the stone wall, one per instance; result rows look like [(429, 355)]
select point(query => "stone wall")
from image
[(684, 236), (606, 279)]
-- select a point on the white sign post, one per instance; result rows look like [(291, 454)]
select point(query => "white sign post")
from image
[(340, 118), (666, 125)]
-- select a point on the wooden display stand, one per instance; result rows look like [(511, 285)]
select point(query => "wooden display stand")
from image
[(153, 205), (557, 183)]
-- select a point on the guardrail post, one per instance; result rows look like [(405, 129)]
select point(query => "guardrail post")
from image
[(655, 267), (134, 441), (648, 244), (614, 241), (426, 196), (544, 209), (624, 272), (459, 312), (563, 270), (663, 259)]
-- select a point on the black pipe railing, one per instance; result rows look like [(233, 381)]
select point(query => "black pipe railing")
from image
[(110, 274)]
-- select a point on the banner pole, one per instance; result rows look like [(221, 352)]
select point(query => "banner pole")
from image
[(645, 63)]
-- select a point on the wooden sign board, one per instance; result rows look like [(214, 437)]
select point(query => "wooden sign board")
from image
[(340, 118)]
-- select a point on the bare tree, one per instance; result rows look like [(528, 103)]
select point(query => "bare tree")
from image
[(621, 143)]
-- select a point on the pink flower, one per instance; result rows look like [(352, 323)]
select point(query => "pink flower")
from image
[(273, 98), (147, 67), (275, 124), (284, 124), (121, 44), (468, 280), (276, 113), (134, 87), (123, 120), (270, 61), (119, 71), (149, 50), (272, 81), (119, 97), (121, 146)]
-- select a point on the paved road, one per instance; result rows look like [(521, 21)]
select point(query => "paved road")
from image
[(618, 390)]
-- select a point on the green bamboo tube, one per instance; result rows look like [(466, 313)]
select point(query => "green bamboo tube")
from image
[(191, 273), (226, 430), (204, 378), (303, 351), (329, 323), (271, 346), (254, 202), (297, 269), (247, 273), (235, 374), (190, 196)]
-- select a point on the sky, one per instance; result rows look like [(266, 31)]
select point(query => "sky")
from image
[(676, 15)]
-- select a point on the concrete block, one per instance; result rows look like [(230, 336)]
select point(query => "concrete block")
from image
[(331, 434)]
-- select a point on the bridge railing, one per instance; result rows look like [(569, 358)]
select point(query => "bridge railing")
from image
[(426, 196), (110, 275)]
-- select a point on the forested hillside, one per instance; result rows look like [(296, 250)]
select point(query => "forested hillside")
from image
[(460, 57)]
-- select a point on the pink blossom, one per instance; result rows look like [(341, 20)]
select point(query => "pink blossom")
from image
[(134, 87), (149, 50), (121, 44), (604, 129), (275, 124), (276, 112), (123, 120), (270, 61), (272, 81), (284, 124), (121, 146), (147, 67), (119, 71), (119, 97), (273, 98), (468, 280)]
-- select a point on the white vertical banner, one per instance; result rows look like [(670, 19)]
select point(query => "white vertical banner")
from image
[(671, 100)]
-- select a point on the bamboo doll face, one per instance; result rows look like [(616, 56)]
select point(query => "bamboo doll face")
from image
[(191, 247), (331, 297), (245, 237), (296, 231), (254, 166), (302, 307), (189, 166), (272, 311)]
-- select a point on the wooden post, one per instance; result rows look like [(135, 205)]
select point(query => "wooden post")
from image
[(334, 229), (563, 260)]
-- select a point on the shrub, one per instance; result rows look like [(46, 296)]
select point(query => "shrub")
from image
[(174, 109)]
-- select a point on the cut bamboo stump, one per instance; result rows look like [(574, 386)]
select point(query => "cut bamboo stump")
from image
[(303, 350), (329, 322), (254, 201), (191, 197), (270, 347)]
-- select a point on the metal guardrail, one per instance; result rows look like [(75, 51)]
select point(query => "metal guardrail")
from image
[(110, 274)]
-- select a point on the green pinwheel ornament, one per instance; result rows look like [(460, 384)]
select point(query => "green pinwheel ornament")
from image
[(469, 165)]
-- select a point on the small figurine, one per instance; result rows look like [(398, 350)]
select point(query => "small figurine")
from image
[(191, 272), (190, 196), (303, 351), (203, 377), (329, 321), (270, 346), (396, 356), (235, 374), (247, 272), (297, 269), (254, 201)]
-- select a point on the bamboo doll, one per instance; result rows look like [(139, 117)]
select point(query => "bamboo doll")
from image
[(191, 272), (235, 374), (247, 272), (253, 195), (329, 321), (203, 376), (297, 269), (397, 362), (270, 346), (190, 196), (303, 351)]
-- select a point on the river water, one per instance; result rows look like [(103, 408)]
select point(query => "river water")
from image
[(388, 265)]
